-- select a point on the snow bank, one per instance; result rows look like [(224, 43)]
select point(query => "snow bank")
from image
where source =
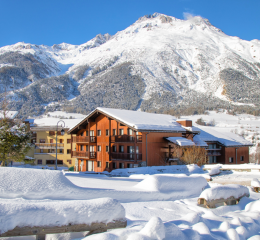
[(34, 184), (170, 183), (233, 166), (255, 182), (46, 184), (19, 213), (187, 169), (214, 170), (224, 191)]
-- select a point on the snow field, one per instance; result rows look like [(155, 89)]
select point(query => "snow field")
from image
[(20, 212), (157, 214)]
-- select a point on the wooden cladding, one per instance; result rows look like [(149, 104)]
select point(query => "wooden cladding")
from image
[(84, 139), (125, 138), (126, 156), (81, 154)]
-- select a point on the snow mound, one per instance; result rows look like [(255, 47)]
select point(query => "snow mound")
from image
[(214, 170), (154, 229), (19, 212), (253, 206), (224, 191), (187, 169), (170, 183), (35, 183), (255, 182)]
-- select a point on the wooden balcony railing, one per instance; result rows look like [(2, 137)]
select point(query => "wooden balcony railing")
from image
[(213, 153), (84, 139), (126, 156), (82, 154), (126, 138), (49, 145)]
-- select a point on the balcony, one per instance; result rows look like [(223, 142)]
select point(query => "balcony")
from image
[(126, 156), (49, 145), (84, 139), (212, 152), (125, 138), (82, 154)]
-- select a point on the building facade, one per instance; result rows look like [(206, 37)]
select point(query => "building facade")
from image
[(108, 139), (44, 139)]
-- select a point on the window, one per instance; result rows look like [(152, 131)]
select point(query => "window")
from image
[(68, 151), (59, 133), (230, 159), (39, 161), (114, 148), (114, 165), (82, 134), (121, 131), (69, 161), (86, 133), (51, 150), (107, 164), (68, 140), (99, 132), (87, 148), (61, 151), (61, 140), (129, 165), (51, 140), (241, 158), (114, 132), (98, 163), (121, 165), (51, 162), (99, 148), (130, 131), (42, 140), (107, 148), (41, 150), (51, 133), (81, 147), (107, 132), (121, 149)]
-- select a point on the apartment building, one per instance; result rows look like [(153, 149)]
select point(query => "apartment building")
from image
[(108, 139), (44, 138)]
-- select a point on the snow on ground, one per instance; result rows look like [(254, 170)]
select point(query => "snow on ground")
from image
[(155, 218)]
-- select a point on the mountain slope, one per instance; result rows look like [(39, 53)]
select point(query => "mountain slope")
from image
[(157, 64)]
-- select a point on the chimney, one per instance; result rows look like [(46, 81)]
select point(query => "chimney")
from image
[(185, 123)]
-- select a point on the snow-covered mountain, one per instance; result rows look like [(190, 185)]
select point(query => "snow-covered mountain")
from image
[(156, 64)]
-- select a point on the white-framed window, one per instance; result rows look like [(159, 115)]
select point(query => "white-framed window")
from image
[(121, 131), (99, 148), (99, 132)]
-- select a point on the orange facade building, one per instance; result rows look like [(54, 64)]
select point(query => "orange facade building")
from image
[(108, 139)]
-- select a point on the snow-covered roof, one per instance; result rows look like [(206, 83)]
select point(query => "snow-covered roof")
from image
[(221, 135), (181, 141), (9, 114), (143, 120), (52, 122)]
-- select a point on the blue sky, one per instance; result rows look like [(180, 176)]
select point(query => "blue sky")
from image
[(54, 21)]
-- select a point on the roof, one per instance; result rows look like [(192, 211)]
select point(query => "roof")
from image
[(180, 141), (140, 121), (9, 114), (221, 135), (51, 123)]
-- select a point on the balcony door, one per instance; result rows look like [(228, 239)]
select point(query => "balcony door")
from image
[(90, 166), (131, 150), (91, 134)]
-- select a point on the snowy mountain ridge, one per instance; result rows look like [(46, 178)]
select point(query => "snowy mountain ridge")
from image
[(156, 64)]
